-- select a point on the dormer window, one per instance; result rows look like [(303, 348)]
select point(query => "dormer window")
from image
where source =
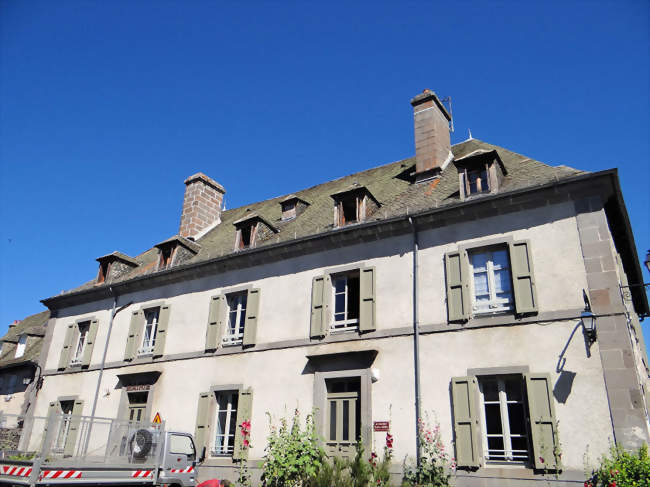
[(480, 172), (292, 206), (113, 266), (166, 256), (246, 236), (477, 181), (174, 251), (251, 230), (104, 269), (353, 206), (288, 210), (20, 347)]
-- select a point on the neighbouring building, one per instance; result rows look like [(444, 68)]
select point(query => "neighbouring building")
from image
[(496, 292), (20, 350)]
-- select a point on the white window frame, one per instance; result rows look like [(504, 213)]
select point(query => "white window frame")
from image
[(227, 446), (20, 346), (149, 340), (234, 335), (494, 304), (346, 324), (503, 401), (81, 343)]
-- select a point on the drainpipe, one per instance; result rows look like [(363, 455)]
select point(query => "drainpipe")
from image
[(416, 341)]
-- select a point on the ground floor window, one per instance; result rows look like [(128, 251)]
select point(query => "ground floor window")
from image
[(343, 416), (505, 419), (138, 405), (225, 422), (64, 426)]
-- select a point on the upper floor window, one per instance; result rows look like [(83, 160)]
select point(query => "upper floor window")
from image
[(504, 418), (494, 279), (82, 336), (234, 332), (480, 172), (225, 423), (348, 210), (491, 280), (149, 332), (20, 347), (346, 301)]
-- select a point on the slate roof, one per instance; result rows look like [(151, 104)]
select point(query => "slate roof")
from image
[(389, 184), (33, 326)]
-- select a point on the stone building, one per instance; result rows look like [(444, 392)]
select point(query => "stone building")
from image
[(20, 350), (471, 283)]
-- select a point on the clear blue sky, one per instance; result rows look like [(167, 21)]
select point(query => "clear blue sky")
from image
[(107, 106)]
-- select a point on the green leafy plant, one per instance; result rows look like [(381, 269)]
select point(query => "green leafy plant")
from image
[(293, 456), (435, 466), (621, 469), (22, 457)]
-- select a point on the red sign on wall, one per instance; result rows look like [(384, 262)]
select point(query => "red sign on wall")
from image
[(381, 425)]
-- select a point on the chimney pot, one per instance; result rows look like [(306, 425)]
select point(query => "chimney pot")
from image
[(432, 141), (197, 218)]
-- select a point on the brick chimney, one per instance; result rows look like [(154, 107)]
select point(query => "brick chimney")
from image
[(201, 205), (432, 142)]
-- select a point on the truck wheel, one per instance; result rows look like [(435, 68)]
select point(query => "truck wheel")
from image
[(141, 443)]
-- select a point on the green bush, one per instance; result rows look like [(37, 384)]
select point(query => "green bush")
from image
[(293, 453), (622, 469)]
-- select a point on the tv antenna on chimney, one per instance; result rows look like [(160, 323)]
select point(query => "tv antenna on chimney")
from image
[(447, 99)]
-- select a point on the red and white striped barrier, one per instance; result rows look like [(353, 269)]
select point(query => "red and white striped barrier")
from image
[(183, 470), (140, 474), (17, 471), (60, 474)]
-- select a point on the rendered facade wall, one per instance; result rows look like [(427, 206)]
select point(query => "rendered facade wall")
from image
[(277, 370)]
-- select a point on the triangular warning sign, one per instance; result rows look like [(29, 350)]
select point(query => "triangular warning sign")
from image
[(156, 419)]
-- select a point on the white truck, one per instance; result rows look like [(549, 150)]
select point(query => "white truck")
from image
[(63, 449)]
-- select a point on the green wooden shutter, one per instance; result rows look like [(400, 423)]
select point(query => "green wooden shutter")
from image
[(75, 421), (252, 311), (52, 411), (202, 420), (523, 279), (64, 359), (458, 298), (464, 394), (317, 327), (90, 343), (367, 297), (244, 412), (215, 322), (161, 330), (541, 409), (137, 318)]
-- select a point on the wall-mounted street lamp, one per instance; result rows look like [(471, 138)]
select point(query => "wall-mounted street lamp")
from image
[(588, 321)]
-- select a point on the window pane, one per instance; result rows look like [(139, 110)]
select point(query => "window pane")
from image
[(495, 447), (479, 261), (481, 285), (339, 305), (500, 258), (520, 447), (502, 282), (490, 390), (339, 284), (517, 419), (346, 420), (332, 420), (353, 297), (513, 389), (493, 419)]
